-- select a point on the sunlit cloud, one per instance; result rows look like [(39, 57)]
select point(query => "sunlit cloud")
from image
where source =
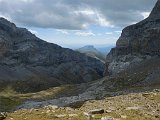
[(118, 32), (80, 33), (145, 14), (33, 31), (109, 33), (63, 32)]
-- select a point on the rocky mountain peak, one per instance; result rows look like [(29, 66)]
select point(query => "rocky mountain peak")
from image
[(136, 43), (6, 22), (10, 30), (88, 48), (6, 25), (156, 11)]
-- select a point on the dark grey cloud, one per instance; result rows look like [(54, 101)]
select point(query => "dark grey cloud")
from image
[(75, 14)]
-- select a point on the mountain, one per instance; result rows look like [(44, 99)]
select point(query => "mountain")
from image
[(132, 67), (138, 50), (130, 90), (91, 51), (105, 50), (28, 63)]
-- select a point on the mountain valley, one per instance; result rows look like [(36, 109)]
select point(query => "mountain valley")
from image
[(43, 81)]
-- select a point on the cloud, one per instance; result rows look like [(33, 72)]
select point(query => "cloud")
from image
[(85, 33), (99, 34), (33, 31), (75, 14), (63, 32), (118, 32), (145, 14), (109, 33), (85, 12)]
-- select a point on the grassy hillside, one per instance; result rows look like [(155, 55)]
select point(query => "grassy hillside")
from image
[(9, 98)]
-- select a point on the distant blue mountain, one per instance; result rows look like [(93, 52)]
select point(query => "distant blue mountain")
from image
[(105, 50), (91, 51)]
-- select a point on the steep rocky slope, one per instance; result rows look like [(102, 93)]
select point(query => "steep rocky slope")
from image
[(138, 42), (31, 64)]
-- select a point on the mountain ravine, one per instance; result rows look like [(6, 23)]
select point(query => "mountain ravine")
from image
[(29, 64)]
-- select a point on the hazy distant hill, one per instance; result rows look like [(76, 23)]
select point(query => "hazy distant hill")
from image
[(91, 51), (105, 50)]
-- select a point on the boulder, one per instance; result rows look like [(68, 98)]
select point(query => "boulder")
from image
[(3, 115), (97, 111)]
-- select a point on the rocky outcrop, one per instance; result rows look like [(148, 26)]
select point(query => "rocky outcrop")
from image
[(34, 64), (137, 42)]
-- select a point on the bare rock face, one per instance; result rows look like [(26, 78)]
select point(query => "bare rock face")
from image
[(34, 64), (137, 42)]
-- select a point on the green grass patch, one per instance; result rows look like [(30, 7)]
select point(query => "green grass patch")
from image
[(9, 99)]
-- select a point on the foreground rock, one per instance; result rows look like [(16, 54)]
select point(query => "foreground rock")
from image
[(27, 62), (133, 106), (3, 115), (97, 111)]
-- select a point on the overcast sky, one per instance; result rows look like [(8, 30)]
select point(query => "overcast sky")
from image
[(76, 22)]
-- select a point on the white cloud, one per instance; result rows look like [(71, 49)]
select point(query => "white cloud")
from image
[(86, 12), (63, 32), (94, 16), (101, 20), (33, 31), (75, 14), (85, 33), (118, 32), (27, 0), (145, 14), (99, 34), (109, 33)]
